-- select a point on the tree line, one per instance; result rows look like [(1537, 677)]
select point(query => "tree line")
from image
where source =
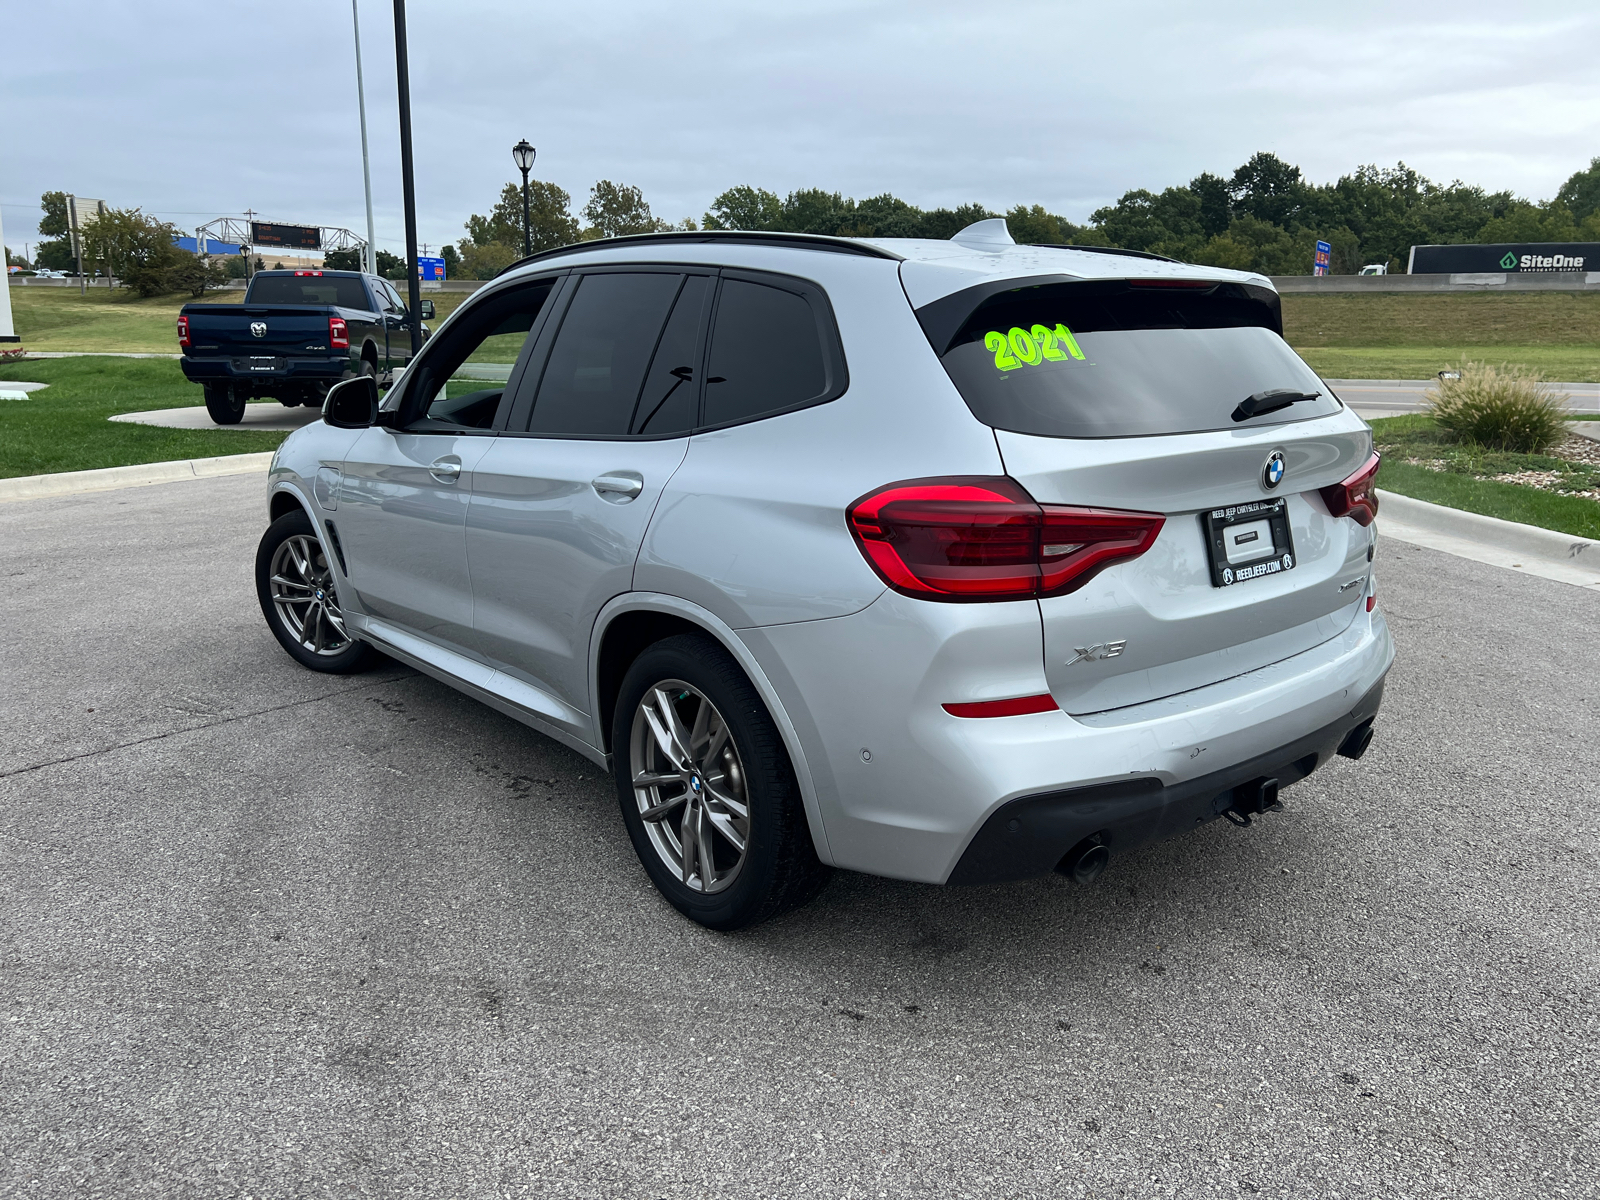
[(1265, 216)]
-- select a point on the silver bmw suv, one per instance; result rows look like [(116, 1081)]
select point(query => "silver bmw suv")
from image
[(955, 561)]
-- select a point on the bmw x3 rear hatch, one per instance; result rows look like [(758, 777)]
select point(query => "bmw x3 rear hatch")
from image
[(1176, 397)]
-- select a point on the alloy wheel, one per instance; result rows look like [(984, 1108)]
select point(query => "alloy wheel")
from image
[(690, 785), (304, 597)]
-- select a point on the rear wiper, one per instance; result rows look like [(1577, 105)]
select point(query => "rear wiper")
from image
[(1272, 401)]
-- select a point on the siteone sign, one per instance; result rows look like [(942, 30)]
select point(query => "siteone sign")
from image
[(1505, 256)]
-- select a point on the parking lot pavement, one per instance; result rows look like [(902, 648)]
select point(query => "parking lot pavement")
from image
[(270, 934)]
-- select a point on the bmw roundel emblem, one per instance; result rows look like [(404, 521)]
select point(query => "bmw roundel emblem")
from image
[(1272, 470)]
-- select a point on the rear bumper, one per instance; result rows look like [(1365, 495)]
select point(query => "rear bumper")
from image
[(905, 789), (293, 371), (1028, 836)]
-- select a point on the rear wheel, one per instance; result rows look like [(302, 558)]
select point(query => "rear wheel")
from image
[(296, 588), (225, 403), (707, 790)]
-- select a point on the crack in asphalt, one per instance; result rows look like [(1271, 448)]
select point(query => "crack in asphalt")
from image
[(156, 737)]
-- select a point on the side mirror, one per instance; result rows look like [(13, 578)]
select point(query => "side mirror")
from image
[(352, 403), (426, 308)]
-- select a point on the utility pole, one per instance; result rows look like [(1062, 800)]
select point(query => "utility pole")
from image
[(366, 167), (407, 177)]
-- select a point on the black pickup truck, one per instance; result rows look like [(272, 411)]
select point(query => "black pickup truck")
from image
[(296, 334)]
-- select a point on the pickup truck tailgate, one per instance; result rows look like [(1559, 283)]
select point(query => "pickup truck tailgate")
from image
[(234, 330)]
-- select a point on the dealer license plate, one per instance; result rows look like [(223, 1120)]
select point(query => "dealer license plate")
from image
[(1248, 541)]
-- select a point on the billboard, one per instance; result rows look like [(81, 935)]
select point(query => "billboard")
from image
[(290, 237), (212, 245), (1511, 257), (430, 269), (80, 211)]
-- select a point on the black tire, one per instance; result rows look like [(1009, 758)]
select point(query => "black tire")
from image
[(779, 869), (342, 654), (225, 403)]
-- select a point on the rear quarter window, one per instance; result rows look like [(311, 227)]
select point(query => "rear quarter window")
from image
[(774, 348), (1115, 359)]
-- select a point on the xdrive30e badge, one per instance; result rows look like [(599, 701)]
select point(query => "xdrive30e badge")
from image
[(1272, 470)]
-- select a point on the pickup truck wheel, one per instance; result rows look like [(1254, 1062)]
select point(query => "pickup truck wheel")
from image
[(295, 583), (225, 404)]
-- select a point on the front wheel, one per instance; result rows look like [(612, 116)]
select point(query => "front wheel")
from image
[(299, 597), (224, 403), (707, 791)]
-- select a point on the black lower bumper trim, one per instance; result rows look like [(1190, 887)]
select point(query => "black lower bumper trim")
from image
[(1028, 836)]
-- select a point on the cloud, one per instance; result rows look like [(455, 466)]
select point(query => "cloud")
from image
[(192, 110)]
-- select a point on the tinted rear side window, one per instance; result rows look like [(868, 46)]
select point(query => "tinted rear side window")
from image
[(1109, 360), (597, 365), (671, 396), (340, 290), (766, 353)]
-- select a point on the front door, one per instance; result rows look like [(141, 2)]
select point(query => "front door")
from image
[(401, 520), (559, 508), (403, 501)]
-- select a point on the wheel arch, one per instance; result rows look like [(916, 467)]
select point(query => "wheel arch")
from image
[(630, 623), (285, 499)]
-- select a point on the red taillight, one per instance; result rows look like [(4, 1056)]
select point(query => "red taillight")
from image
[(984, 538), (338, 333), (1356, 497), (183, 332), (308, 272), (1015, 707)]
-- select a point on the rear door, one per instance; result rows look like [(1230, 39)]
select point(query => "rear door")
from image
[(561, 502), (1127, 396)]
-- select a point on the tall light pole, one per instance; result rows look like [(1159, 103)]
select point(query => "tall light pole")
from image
[(366, 168), (407, 177), (523, 155)]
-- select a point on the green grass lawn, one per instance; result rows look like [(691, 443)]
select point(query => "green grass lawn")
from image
[(1461, 481), (105, 319), (64, 428), (1400, 335), (115, 320)]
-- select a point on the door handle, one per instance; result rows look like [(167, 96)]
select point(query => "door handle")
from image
[(445, 470), (619, 487)]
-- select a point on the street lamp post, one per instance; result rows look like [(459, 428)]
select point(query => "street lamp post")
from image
[(408, 189), (524, 154)]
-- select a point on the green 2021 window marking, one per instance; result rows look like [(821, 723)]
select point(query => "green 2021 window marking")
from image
[(1030, 347)]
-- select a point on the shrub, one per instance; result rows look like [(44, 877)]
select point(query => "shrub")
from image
[(1501, 408)]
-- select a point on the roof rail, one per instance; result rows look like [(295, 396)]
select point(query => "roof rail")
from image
[(1108, 250), (739, 237)]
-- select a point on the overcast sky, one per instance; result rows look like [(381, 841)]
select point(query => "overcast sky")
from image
[(193, 110)]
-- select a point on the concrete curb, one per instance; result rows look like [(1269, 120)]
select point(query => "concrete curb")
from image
[(1525, 548), (71, 483)]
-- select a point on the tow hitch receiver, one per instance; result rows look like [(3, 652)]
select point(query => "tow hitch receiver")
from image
[(1252, 799)]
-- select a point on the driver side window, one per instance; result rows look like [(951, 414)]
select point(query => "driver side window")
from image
[(462, 378)]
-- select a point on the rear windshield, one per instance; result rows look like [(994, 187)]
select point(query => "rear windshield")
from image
[(1089, 360), (344, 291)]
